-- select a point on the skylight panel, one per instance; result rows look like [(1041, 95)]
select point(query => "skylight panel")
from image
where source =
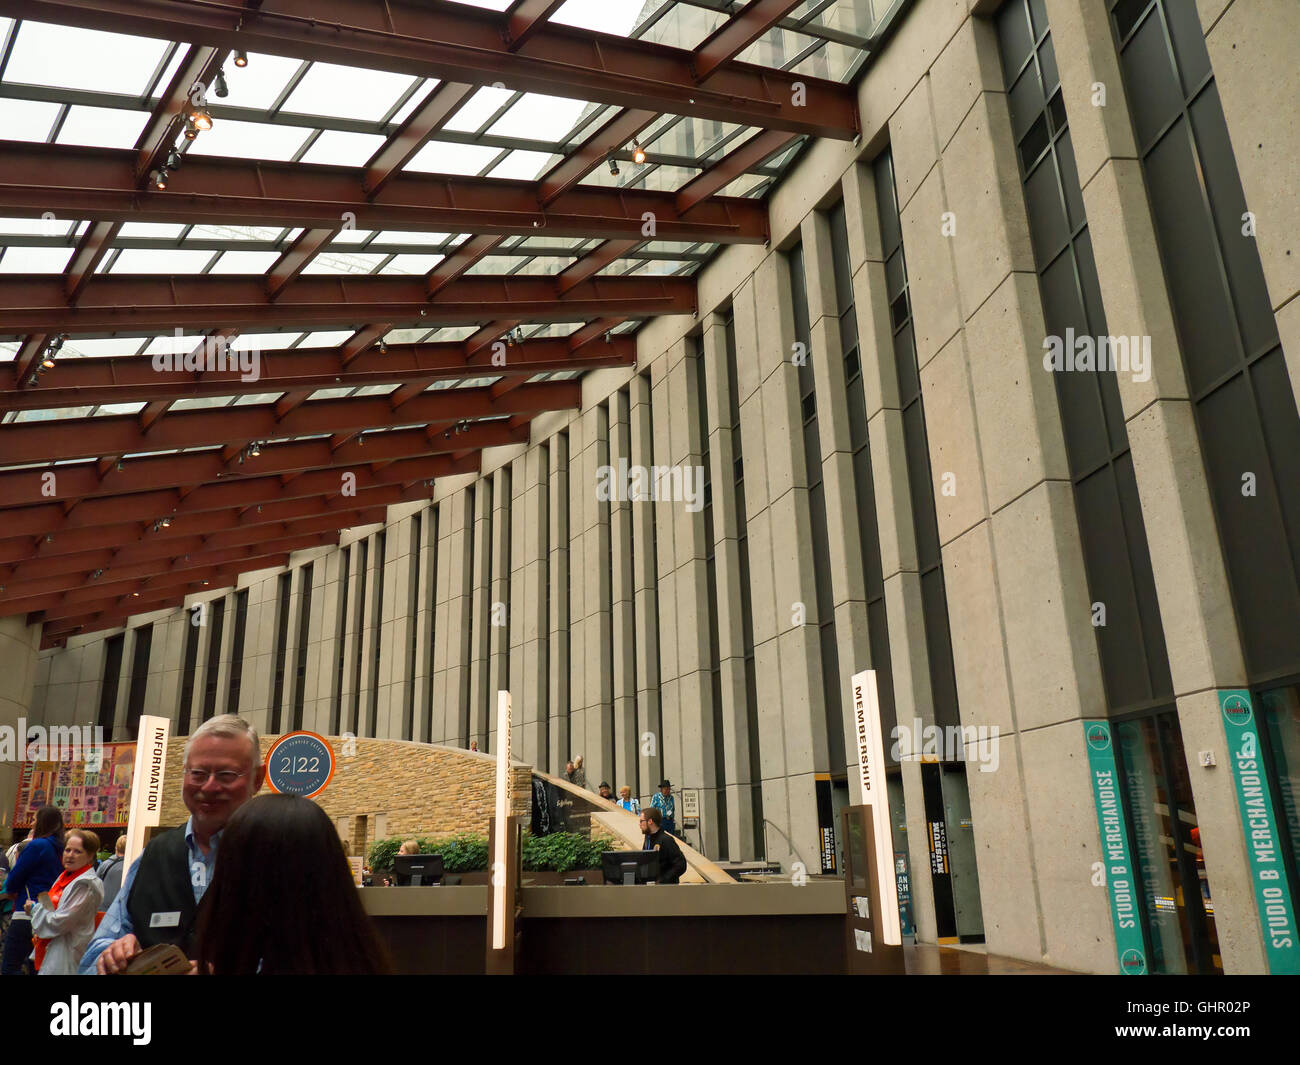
[(416, 99), (352, 236), (83, 59), (263, 341), (347, 92), (51, 414), (526, 166), (34, 260), (351, 263), (250, 140), (26, 120), (171, 344), (441, 157), (245, 262), (102, 127), (412, 236), (603, 16), (537, 116), (201, 402), (259, 84), (101, 347), (326, 338), (151, 229), (253, 400), (411, 264), (338, 148), (485, 103), (157, 261), (109, 409)]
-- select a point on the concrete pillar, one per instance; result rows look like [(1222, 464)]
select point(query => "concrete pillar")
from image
[(480, 720), (19, 649), (559, 738), (501, 604), (397, 623), (645, 569), (623, 605), (529, 623)]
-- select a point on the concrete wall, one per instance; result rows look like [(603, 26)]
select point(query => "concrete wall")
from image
[(613, 661)]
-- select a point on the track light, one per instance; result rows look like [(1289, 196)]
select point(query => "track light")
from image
[(255, 449), (219, 84), (173, 159), (97, 574), (613, 166), (135, 595), (241, 58), (383, 348), (201, 118), (519, 334), (56, 342), (191, 130), (48, 362), (638, 153), (158, 179), (608, 337)]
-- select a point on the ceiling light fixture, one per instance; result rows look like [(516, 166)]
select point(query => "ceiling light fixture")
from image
[(241, 58), (201, 118), (173, 159), (191, 130), (638, 153), (158, 179), (613, 165), (383, 348), (219, 84), (254, 449)]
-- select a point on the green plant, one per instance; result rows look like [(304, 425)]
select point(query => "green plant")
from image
[(467, 852)]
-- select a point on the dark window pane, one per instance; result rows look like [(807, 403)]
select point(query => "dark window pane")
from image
[(1046, 207), (1149, 81), (1025, 101), (1189, 44), (1031, 147)]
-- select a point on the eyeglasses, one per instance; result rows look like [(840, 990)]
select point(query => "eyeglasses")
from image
[(225, 777)]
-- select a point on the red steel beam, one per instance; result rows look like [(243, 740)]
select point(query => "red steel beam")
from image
[(199, 67), (460, 43), (738, 33), (134, 378), (91, 437), (613, 136), (593, 262), (525, 17), (129, 302), (465, 256), (91, 249), (443, 102), (99, 184), (704, 186), (295, 257)]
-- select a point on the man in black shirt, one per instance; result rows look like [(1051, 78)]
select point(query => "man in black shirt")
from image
[(672, 863)]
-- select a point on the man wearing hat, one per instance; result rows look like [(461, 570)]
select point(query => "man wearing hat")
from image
[(605, 792), (667, 806)]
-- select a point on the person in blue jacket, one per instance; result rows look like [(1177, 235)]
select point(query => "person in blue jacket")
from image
[(39, 865)]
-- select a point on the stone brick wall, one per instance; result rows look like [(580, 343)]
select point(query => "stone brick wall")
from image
[(399, 788)]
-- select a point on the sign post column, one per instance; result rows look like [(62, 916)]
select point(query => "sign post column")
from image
[(146, 783), (504, 847)]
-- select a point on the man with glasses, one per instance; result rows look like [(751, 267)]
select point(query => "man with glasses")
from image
[(158, 901), (672, 862)]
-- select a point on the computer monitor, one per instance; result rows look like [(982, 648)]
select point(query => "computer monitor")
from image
[(414, 870), (630, 867)]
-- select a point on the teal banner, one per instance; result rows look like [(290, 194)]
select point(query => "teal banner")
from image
[(1120, 880), (1258, 824)]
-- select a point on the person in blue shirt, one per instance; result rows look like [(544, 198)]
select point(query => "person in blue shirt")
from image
[(159, 897), (667, 806), (39, 865)]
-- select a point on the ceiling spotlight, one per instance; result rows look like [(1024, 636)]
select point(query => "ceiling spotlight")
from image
[(241, 58), (638, 153), (97, 574), (219, 84), (136, 595), (519, 334), (254, 449), (158, 179), (166, 523), (201, 119), (173, 159), (56, 342), (191, 130), (49, 538), (510, 339), (613, 166), (383, 348), (119, 466), (48, 362), (608, 336), (205, 582)]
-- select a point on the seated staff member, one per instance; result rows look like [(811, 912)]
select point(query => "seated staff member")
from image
[(672, 862), (160, 893), (63, 919)]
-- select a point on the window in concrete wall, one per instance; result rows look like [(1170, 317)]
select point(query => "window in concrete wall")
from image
[(305, 575), (1117, 562), (608, 755), (108, 687), (184, 712), (377, 631), (1175, 902), (543, 689), (711, 587), (237, 651), (746, 598), (1241, 395), (863, 479), (934, 597), (336, 709), (412, 622), (653, 722), (282, 589), (212, 671), (460, 737), (954, 872), (432, 606), (359, 632), (139, 679), (830, 655), (563, 588)]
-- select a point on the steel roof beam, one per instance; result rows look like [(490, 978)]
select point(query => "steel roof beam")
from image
[(738, 32), (122, 302), (459, 43)]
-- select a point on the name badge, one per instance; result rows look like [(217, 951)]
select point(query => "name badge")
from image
[(165, 920)]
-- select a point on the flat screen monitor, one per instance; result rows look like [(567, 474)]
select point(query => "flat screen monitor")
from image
[(416, 870), (630, 867)]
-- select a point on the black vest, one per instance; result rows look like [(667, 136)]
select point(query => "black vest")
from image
[(162, 885)]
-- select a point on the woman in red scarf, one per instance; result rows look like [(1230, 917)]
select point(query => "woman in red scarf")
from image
[(63, 919)]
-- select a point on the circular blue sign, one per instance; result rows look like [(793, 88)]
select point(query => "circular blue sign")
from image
[(300, 763)]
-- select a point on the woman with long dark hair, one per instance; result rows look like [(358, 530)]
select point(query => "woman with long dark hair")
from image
[(38, 866), (282, 899)]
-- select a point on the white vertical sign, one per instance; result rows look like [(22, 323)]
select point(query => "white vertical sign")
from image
[(499, 877), (871, 766), (146, 783)]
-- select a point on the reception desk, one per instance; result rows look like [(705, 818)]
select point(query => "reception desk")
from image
[(610, 930)]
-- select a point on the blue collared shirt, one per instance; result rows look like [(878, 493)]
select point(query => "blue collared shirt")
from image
[(117, 921)]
